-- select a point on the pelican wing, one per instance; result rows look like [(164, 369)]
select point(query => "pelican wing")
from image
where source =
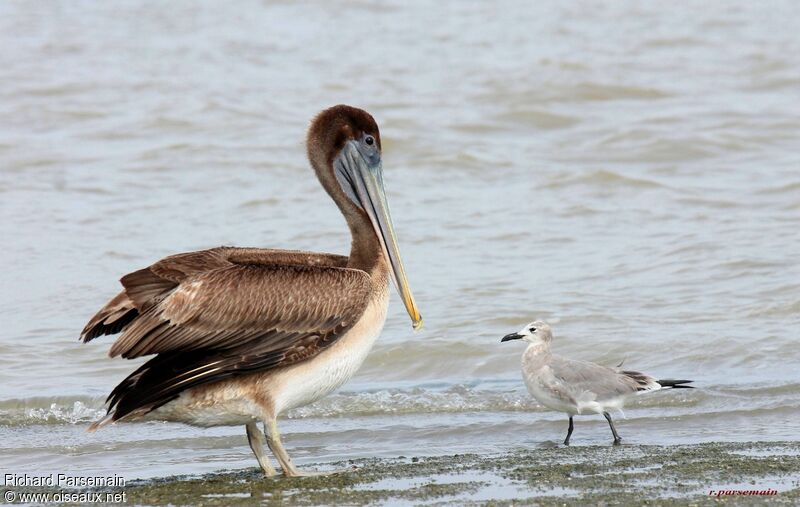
[(219, 313), (148, 287)]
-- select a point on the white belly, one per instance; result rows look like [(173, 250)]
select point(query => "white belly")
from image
[(309, 381), (262, 395)]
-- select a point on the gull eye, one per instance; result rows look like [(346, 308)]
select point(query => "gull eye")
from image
[(532, 330), (369, 140)]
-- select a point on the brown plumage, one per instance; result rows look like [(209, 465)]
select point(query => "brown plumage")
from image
[(239, 309), (239, 313)]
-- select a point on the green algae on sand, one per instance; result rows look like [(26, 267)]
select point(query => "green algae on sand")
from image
[(625, 475)]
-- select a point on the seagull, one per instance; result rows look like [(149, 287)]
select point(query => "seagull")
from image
[(241, 335), (577, 387)]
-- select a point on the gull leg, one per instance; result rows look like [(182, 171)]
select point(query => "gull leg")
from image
[(276, 446), (256, 440), (617, 439), (569, 431)]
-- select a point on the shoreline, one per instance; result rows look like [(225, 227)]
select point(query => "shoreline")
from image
[(544, 475)]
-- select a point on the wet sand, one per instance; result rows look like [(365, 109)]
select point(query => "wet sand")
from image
[(546, 475)]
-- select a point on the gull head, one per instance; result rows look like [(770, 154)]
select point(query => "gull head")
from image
[(537, 331)]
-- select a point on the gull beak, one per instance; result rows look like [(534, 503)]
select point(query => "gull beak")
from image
[(512, 336), (362, 180)]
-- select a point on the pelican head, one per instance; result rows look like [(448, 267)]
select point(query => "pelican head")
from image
[(536, 332), (344, 147)]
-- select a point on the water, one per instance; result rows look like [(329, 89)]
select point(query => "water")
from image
[(628, 171)]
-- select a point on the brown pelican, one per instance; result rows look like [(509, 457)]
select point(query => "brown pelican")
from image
[(245, 334)]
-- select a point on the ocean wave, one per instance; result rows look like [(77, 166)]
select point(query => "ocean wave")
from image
[(602, 178), (502, 396), (456, 399), (44, 411), (786, 188), (540, 119)]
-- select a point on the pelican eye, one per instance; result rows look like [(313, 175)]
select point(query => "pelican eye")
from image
[(369, 140)]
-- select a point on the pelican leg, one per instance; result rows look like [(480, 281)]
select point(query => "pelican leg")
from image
[(276, 446), (569, 431), (256, 440), (617, 439)]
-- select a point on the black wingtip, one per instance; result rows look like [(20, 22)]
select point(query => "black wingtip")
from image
[(676, 384)]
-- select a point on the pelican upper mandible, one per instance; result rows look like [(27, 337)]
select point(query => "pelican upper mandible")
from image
[(242, 335)]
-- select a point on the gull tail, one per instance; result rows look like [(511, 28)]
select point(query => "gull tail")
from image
[(676, 384)]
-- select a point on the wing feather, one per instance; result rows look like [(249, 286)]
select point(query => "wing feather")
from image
[(218, 313), (111, 319), (583, 379)]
